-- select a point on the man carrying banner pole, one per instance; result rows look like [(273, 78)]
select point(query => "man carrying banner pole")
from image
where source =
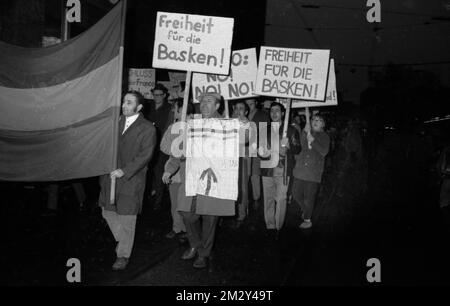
[(137, 140)]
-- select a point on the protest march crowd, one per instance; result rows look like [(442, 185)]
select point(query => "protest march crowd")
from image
[(296, 173), (242, 141)]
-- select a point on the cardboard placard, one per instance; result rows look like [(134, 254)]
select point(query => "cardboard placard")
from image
[(212, 158), (331, 98), (193, 43), (238, 84), (142, 80), (293, 73)]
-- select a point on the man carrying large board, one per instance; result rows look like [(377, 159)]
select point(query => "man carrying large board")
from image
[(201, 44), (200, 213)]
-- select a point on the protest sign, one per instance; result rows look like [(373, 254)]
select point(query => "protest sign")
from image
[(175, 90), (177, 77), (240, 82), (176, 84), (331, 97), (293, 73), (142, 80), (193, 43), (212, 158)]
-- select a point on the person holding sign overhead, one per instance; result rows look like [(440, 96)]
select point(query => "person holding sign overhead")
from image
[(309, 167), (276, 179)]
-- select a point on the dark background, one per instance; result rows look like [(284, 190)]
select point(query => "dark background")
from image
[(381, 204)]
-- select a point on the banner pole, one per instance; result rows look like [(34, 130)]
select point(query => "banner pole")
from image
[(227, 112), (308, 123), (187, 87), (286, 117), (116, 109), (64, 23)]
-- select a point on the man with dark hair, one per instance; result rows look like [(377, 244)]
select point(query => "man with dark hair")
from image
[(240, 111), (137, 140), (276, 179), (257, 116), (309, 167), (159, 113)]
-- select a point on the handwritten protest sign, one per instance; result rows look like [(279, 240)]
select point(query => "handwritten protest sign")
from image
[(175, 90), (293, 73), (142, 80), (193, 43), (212, 158), (240, 82), (331, 97), (177, 77), (176, 85)]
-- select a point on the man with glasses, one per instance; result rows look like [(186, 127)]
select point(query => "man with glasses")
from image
[(159, 113)]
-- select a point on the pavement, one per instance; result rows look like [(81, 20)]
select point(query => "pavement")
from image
[(383, 212)]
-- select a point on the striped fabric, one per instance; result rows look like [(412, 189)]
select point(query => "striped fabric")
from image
[(59, 105), (212, 158)]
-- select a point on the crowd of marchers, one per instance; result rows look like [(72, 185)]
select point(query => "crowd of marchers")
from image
[(145, 142)]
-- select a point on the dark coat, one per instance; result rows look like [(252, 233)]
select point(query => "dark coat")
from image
[(287, 161), (135, 149), (258, 117), (161, 117), (310, 162)]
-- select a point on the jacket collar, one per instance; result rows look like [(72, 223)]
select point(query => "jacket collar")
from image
[(122, 120)]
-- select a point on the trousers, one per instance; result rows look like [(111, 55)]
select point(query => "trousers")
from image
[(123, 228), (177, 219), (304, 193), (275, 193), (200, 229)]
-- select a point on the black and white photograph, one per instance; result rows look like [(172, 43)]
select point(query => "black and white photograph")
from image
[(225, 150)]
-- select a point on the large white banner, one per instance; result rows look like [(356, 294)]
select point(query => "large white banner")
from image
[(212, 158), (193, 43), (293, 73), (142, 80), (331, 98), (240, 83)]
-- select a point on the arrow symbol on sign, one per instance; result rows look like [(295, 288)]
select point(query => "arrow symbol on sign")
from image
[(209, 173)]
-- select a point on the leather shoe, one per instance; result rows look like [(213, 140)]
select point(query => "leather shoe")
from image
[(200, 262), (189, 253), (182, 237), (171, 235), (120, 264)]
